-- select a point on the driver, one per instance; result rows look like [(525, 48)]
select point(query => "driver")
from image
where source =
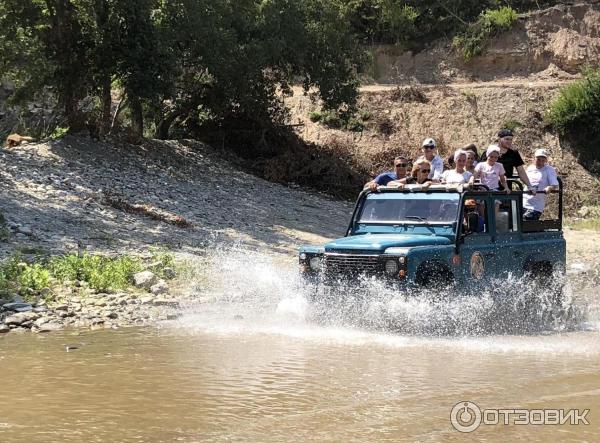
[(471, 208)]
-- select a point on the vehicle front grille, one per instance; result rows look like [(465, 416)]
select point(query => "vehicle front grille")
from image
[(351, 263)]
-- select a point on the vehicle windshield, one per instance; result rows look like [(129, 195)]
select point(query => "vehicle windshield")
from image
[(410, 208)]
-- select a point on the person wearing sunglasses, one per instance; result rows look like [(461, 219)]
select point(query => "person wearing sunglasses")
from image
[(400, 171), (428, 148), (419, 176)]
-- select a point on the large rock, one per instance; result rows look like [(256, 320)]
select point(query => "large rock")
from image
[(50, 327), (145, 279), (161, 287), (18, 307), (4, 329), (21, 318)]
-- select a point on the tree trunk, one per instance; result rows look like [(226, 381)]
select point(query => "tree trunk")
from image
[(106, 105), (137, 116)]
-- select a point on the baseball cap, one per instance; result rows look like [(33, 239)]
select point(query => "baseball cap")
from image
[(541, 153), (492, 148), (429, 142), (505, 133)]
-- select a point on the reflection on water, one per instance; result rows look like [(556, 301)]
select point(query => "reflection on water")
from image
[(253, 366)]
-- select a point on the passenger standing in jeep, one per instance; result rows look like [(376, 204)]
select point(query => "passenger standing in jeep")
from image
[(543, 178), (509, 157)]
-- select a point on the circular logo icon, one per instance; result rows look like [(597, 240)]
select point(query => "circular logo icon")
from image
[(477, 266), (465, 416)]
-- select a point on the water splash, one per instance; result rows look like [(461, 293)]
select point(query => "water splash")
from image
[(248, 289)]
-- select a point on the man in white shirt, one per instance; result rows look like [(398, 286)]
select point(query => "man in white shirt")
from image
[(543, 177), (437, 164)]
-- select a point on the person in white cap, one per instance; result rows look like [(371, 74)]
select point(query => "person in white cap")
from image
[(437, 164), (491, 172), (543, 178)]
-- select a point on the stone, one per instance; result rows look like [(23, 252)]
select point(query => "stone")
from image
[(144, 279), (26, 230), (165, 302), (50, 327), (169, 273), (160, 287), (4, 329), (22, 318), (146, 300), (18, 307)]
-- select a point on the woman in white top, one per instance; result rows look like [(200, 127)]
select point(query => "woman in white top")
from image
[(458, 175), (491, 172)]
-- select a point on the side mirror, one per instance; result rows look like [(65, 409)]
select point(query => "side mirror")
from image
[(472, 222)]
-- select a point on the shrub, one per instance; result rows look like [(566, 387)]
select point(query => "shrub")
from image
[(490, 23), (315, 116), (101, 273), (575, 114), (512, 124), (410, 94)]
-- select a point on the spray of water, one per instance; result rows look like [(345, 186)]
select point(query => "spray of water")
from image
[(241, 289)]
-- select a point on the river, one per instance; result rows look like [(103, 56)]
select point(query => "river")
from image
[(250, 363)]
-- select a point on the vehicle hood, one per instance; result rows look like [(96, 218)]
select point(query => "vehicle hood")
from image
[(380, 242)]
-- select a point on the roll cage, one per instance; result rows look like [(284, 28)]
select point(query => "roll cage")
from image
[(478, 191)]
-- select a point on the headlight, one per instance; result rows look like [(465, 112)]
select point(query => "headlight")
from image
[(391, 267), (402, 260), (315, 263)]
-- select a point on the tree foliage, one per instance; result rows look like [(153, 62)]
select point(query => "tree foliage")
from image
[(199, 65), (181, 61)]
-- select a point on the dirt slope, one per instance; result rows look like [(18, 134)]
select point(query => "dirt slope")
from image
[(458, 103), (553, 43)]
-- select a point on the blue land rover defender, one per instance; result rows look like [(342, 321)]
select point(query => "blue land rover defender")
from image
[(441, 236)]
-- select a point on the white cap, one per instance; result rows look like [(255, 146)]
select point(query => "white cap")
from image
[(492, 148), (429, 142), (541, 153)]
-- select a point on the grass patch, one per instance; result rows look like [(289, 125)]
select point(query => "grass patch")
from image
[(490, 23), (103, 274)]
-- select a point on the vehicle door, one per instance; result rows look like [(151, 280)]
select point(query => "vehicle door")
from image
[(477, 249), (507, 237)]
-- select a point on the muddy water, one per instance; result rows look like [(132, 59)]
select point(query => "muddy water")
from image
[(254, 365)]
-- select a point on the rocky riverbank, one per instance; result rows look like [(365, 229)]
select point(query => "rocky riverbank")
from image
[(78, 306), (77, 196)]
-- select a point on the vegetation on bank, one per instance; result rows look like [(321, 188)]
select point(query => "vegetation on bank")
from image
[(154, 58), (575, 114), (476, 37), (100, 273)]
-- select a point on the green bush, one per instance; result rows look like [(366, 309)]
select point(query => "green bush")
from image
[(315, 116), (512, 124), (103, 274), (474, 40), (575, 114)]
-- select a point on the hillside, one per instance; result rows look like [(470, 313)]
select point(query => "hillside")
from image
[(437, 95)]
